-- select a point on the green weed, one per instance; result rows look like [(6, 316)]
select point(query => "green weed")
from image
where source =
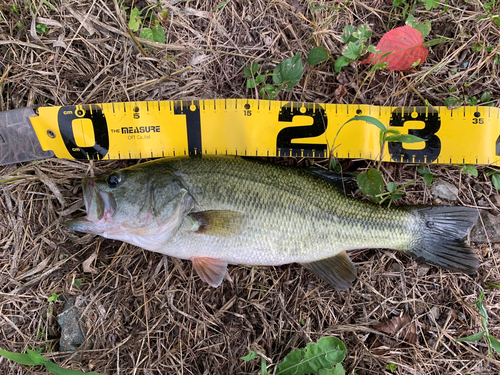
[(314, 9), (154, 33), (286, 75), (220, 6), (53, 298), (426, 174), (34, 358), (391, 367), (41, 28), (355, 40), (371, 182), (492, 342), (317, 55), (467, 168), (456, 102), (408, 7), (492, 11), (323, 357), (495, 178)]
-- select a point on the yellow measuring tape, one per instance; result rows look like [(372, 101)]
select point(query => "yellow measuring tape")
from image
[(266, 128)]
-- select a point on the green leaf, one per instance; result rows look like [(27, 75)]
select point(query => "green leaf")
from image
[(494, 343), (452, 102), (396, 196), (429, 4), (221, 5), (371, 120), (496, 20), (135, 20), (424, 27), (422, 169), (251, 69), (260, 78), (486, 97), (470, 169), (391, 187), (482, 309), (353, 51), (289, 72), (41, 28), (23, 359), (428, 177), (404, 138), (251, 355), (158, 33), (347, 34), (269, 91), (37, 357), (146, 33), (58, 370), (475, 337), (314, 357), (53, 297), (318, 7), (251, 83), (337, 370), (341, 62), (317, 55), (371, 183), (391, 367), (495, 179), (363, 33)]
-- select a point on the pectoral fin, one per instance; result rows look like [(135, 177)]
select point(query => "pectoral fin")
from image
[(211, 270), (338, 270), (217, 223)]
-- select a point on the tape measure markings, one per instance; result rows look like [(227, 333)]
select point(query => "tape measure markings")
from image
[(248, 127)]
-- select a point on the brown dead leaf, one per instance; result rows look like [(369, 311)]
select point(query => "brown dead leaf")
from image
[(340, 92), (399, 326), (87, 264)]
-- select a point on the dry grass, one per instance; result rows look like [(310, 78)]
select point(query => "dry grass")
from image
[(148, 314)]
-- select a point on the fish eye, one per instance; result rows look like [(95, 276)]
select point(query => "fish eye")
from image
[(113, 180)]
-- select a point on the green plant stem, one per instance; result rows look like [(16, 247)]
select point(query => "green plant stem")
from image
[(136, 42)]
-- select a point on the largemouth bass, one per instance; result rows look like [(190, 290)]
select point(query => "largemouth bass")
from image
[(217, 211)]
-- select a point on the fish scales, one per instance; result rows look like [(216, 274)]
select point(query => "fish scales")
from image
[(217, 211), (292, 215)]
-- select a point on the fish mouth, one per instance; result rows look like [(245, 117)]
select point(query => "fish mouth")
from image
[(99, 206)]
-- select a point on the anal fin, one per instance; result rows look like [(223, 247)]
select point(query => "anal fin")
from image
[(337, 270), (211, 270)]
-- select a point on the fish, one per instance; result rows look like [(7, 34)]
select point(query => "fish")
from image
[(221, 210)]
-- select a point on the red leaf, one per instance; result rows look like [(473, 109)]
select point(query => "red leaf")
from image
[(407, 46)]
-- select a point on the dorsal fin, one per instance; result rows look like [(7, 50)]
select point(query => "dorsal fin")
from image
[(344, 182)]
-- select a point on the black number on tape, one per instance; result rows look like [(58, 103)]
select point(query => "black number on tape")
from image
[(432, 122), (284, 144), (193, 124), (94, 113)]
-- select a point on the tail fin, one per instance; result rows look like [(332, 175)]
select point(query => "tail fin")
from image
[(442, 231)]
